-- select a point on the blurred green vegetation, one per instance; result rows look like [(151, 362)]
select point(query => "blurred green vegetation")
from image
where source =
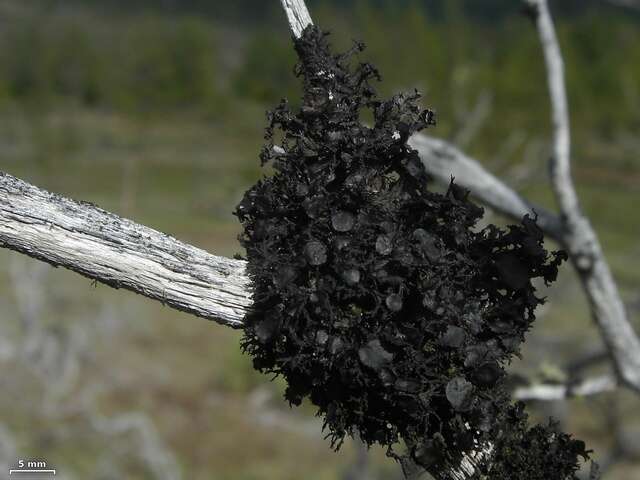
[(150, 61), (155, 110), (147, 63)]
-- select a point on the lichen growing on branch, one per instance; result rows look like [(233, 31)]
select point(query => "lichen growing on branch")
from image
[(378, 299)]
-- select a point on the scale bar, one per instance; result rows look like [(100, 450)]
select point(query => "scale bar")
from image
[(11, 472)]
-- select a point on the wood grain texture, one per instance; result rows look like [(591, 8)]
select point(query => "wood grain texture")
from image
[(121, 253), (297, 15)]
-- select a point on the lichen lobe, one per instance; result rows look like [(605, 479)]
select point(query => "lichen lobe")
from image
[(375, 297)]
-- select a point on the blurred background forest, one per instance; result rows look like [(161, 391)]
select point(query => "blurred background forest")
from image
[(155, 110)]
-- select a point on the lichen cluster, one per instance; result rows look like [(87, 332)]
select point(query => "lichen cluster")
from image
[(375, 297)]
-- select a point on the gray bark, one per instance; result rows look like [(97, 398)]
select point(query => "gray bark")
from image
[(444, 161), (120, 253), (579, 237), (297, 15), (548, 392)]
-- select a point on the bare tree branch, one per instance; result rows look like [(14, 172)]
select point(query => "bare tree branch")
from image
[(443, 161), (579, 237), (120, 253), (586, 388), (297, 15), (469, 466)]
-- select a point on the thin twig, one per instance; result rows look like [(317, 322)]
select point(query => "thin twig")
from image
[(548, 392), (120, 253), (579, 238), (443, 161)]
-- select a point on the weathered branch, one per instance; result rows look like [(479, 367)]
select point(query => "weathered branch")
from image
[(579, 237), (586, 388), (120, 253), (297, 15), (443, 161)]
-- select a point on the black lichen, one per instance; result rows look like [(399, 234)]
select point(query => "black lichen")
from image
[(537, 453), (374, 297)]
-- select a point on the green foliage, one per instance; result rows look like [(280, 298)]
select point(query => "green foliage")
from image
[(266, 75), (152, 61), (25, 76), (168, 64), (146, 63), (600, 56)]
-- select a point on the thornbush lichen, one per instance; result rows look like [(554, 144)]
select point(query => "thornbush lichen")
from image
[(379, 299)]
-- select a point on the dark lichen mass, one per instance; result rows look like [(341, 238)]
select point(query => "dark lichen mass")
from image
[(379, 299)]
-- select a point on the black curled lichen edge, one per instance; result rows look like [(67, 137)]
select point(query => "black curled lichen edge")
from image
[(380, 300)]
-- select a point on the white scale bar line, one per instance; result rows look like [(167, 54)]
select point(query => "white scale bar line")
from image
[(31, 471)]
